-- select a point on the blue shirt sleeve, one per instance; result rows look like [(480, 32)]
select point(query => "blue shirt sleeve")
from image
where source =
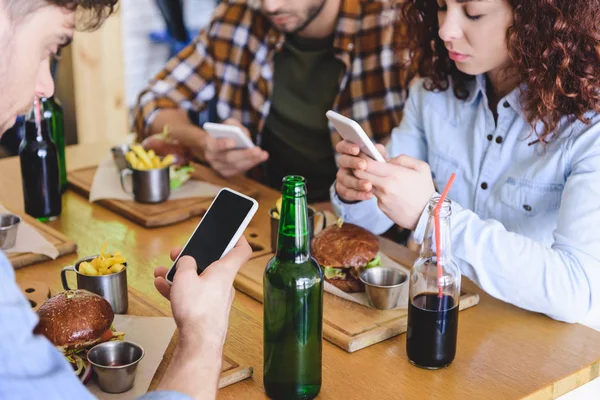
[(30, 366)]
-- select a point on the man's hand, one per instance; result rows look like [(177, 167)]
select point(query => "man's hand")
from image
[(348, 186), (218, 153), (227, 161), (201, 303), (201, 306), (403, 186)]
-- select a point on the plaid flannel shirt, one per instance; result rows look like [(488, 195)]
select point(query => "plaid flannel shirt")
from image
[(232, 61)]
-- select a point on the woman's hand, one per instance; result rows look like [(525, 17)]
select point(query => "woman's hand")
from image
[(403, 187)]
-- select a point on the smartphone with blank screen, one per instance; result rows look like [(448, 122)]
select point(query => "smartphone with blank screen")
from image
[(353, 133), (219, 230), (223, 131)]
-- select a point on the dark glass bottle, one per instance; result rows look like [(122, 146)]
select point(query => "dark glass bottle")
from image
[(39, 168), (431, 336), (53, 113), (293, 304)]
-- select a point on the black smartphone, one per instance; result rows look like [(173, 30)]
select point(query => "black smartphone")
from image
[(219, 230)]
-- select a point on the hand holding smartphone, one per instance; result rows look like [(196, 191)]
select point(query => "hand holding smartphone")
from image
[(352, 132), (219, 230), (235, 133)]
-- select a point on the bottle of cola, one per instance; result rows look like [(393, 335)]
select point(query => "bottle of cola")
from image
[(40, 167)]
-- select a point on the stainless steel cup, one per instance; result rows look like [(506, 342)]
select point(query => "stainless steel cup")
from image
[(311, 223), (151, 186), (9, 226), (112, 287), (118, 153), (385, 286), (115, 364)]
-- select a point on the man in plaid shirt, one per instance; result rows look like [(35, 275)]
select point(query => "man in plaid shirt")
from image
[(274, 68)]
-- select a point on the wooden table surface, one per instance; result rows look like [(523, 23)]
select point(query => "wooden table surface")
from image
[(503, 352)]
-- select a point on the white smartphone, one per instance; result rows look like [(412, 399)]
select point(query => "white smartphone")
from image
[(352, 132), (219, 230), (222, 131)]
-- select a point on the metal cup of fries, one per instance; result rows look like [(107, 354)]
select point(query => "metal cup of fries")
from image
[(103, 274), (150, 175)]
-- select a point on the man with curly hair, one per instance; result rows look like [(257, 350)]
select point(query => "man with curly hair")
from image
[(31, 31), (509, 99)]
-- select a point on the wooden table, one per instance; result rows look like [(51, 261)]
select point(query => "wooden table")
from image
[(503, 352)]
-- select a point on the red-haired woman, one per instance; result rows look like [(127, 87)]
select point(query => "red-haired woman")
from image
[(509, 100)]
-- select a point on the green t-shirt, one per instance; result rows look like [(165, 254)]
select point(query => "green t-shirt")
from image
[(306, 81)]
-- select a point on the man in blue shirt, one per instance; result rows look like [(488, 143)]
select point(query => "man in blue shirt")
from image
[(31, 31)]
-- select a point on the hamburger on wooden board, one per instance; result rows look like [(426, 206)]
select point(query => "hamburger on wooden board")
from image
[(75, 321), (344, 251)]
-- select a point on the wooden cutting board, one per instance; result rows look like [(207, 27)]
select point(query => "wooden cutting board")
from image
[(61, 242), (162, 214), (348, 325), (231, 372)]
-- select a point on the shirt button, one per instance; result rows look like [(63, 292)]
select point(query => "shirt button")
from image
[(484, 185), (490, 137), (506, 104), (527, 207), (499, 139)]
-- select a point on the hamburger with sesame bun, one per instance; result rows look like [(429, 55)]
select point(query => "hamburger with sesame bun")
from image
[(75, 321), (344, 251)]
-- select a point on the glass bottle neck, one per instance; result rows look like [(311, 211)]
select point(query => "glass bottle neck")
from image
[(428, 249), (37, 125), (293, 240)]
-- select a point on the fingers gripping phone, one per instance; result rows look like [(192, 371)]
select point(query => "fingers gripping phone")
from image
[(219, 230), (223, 131), (352, 132)]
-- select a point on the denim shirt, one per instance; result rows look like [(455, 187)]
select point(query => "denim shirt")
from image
[(30, 366), (525, 218)]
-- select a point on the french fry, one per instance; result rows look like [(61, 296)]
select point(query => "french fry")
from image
[(104, 264), (142, 155), (132, 159), (116, 268), (167, 161), (86, 268), (115, 260), (156, 163)]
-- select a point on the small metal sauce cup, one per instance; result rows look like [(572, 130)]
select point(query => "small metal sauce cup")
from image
[(112, 287), (9, 226), (148, 186), (115, 364), (385, 286)]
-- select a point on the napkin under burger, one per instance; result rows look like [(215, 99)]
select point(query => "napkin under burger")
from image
[(344, 252), (75, 321)]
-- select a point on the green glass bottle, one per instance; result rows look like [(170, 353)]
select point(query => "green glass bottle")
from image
[(53, 112), (293, 304)]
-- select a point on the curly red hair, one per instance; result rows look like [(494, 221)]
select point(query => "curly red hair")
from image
[(554, 46)]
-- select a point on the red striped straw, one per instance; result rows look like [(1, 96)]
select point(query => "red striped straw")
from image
[(436, 219)]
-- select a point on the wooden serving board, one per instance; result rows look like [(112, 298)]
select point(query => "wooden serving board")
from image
[(162, 214), (348, 325), (231, 372), (63, 244)]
